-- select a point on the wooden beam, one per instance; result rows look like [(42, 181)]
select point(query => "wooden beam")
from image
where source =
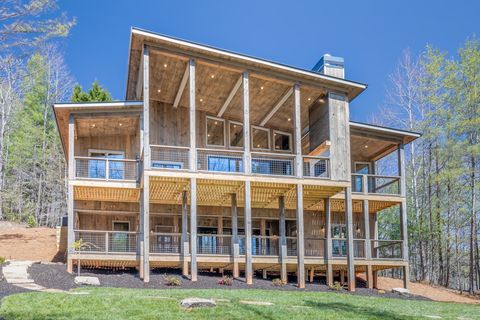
[(185, 244), (277, 106), (324, 146), (235, 245), (182, 86), (300, 239), (283, 240), (192, 107), (230, 97), (248, 234), (298, 133), (193, 228), (146, 110), (368, 242), (139, 88), (349, 223), (247, 164)]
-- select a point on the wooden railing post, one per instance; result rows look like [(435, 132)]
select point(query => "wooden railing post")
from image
[(106, 242)]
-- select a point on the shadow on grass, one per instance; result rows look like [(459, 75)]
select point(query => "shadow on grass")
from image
[(362, 311)]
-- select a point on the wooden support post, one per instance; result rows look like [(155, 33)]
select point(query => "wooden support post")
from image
[(263, 241), (369, 277), (192, 118), (328, 241), (406, 276), (342, 276), (247, 164), (366, 218), (311, 274), (403, 204), (375, 279), (193, 228), (300, 239), (283, 240), (141, 267), (235, 246), (70, 198), (349, 224), (185, 244), (248, 234), (146, 228)]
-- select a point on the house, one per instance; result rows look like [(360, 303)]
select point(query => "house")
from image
[(226, 161)]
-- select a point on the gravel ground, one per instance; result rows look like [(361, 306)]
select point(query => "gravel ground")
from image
[(6, 288), (56, 276)]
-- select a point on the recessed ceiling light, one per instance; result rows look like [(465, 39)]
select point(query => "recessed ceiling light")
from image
[(261, 88), (120, 124), (165, 65), (201, 100), (366, 146), (212, 76), (216, 122), (258, 146), (309, 99), (208, 135), (93, 125), (159, 90), (289, 119)]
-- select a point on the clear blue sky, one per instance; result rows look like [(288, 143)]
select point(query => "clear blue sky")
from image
[(370, 35)]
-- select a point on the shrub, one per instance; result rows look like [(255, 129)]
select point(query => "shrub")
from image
[(31, 221), (336, 286), (278, 282), (226, 281), (2, 260), (172, 281)]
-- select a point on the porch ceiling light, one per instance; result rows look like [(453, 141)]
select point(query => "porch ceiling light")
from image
[(165, 65), (261, 88), (366, 146)]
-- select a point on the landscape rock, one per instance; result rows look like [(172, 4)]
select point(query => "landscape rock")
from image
[(401, 291), (91, 281), (198, 302)]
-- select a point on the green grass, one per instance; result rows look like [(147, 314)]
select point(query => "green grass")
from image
[(107, 303)]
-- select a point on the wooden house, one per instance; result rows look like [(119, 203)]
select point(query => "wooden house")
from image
[(221, 160)]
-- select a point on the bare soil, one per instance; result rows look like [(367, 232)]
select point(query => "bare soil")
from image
[(17, 242), (428, 291)]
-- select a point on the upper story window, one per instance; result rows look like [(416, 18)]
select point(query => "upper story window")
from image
[(235, 134), (260, 138), (215, 132), (97, 168), (282, 141)]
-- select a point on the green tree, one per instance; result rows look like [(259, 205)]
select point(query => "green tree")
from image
[(95, 94)]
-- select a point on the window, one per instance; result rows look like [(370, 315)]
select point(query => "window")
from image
[(260, 138), (282, 141), (225, 164), (360, 169), (167, 165), (97, 167), (235, 134), (215, 132)]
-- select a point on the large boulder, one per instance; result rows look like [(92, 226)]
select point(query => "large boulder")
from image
[(197, 302), (91, 281), (401, 291)]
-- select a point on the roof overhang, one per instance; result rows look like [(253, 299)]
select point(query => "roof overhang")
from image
[(62, 113), (140, 37)]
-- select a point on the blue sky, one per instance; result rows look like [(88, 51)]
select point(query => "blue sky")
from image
[(370, 35)]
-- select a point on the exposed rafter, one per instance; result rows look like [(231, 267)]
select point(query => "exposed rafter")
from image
[(276, 107), (230, 97), (181, 88)]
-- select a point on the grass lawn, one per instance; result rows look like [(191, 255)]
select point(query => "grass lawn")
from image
[(109, 303)]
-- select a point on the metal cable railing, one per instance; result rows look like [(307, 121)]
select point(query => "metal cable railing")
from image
[(214, 244), (316, 167), (107, 241), (273, 164), (170, 157), (214, 160), (165, 242), (106, 169)]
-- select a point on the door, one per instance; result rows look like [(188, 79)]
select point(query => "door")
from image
[(360, 169), (120, 237)]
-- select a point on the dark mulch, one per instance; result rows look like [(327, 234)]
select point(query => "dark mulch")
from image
[(56, 276), (6, 288)]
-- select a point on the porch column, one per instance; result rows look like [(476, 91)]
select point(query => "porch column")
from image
[(192, 118), (403, 213), (328, 241), (368, 243), (349, 224), (193, 228), (185, 246), (146, 165), (70, 199), (248, 234), (369, 273), (300, 239), (283, 240), (235, 246), (263, 233)]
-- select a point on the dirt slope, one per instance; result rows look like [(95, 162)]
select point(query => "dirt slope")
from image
[(20, 243), (434, 293)]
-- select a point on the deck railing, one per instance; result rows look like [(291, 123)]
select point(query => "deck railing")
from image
[(214, 244), (376, 184), (169, 157), (265, 246), (107, 241), (314, 247), (316, 167), (165, 242), (215, 160), (273, 164), (106, 169), (387, 249)]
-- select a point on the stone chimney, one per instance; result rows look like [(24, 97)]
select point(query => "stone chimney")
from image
[(331, 66)]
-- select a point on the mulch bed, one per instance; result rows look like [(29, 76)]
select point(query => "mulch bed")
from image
[(56, 276)]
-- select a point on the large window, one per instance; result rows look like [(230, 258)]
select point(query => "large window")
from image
[(282, 141), (260, 138), (215, 132), (97, 168), (235, 134)]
